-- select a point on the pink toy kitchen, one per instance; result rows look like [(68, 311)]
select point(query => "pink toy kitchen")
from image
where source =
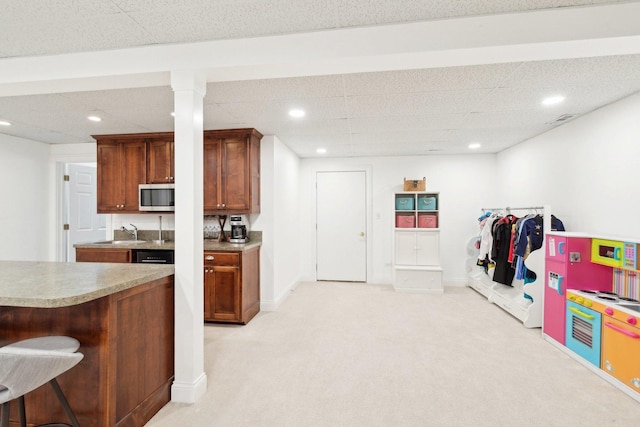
[(591, 304)]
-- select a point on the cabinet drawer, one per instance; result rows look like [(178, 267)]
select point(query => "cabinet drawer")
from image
[(222, 258), (103, 255)]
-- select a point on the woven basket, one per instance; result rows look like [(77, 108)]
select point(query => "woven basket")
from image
[(415, 184)]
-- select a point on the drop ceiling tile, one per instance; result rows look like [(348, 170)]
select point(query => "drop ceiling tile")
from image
[(46, 102), (402, 123), (365, 12), (575, 72), (426, 80), (425, 103), (394, 138), (271, 89), (160, 97), (46, 11), (316, 109), (74, 35), (579, 99), (238, 19), (321, 128)]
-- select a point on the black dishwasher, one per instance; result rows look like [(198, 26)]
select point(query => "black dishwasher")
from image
[(159, 256)]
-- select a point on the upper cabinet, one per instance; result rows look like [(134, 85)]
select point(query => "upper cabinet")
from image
[(231, 171), (122, 165), (160, 168)]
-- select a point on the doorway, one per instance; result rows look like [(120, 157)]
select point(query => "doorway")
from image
[(79, 201), (341, 226)]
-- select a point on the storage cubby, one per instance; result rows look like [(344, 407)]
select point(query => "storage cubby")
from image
[(416, 242), (416, 210)]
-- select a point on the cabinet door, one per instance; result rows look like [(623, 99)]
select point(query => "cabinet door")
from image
[(109, 191), (134, 163), (211, 174), (222, 287), (427, 248), (161, 162), (405, 248), (235, 175), (226, 293), (121, 167)]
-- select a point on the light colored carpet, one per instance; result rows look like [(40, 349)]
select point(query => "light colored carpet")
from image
[(345, 354)]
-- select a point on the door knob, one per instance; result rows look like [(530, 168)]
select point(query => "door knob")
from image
[(362, 234)]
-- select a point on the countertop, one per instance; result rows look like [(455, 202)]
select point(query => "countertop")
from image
[(59, 284), (209, 245)]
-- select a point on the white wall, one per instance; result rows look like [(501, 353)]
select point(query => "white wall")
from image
[(465, 183), (588, 170), (279, 253), (24, 216)]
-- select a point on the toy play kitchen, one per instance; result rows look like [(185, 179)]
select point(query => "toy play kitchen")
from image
[(592, 309), (604, 328)]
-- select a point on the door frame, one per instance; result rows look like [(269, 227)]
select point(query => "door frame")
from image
[(57, 188), (368, 213)]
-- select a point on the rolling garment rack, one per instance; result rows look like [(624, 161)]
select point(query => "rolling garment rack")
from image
[(512, 298)]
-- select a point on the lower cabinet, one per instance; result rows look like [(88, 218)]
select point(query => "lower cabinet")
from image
[(231, 286), (104, 255)]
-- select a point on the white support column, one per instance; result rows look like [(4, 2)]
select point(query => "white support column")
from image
[(190, 379)]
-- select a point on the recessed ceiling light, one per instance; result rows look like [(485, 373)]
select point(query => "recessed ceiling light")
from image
[(475, 145), (94, 118), (321, 150), (5, 123), (552, 100), (297, 113)]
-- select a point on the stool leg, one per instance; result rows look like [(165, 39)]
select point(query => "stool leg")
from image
[(64, 402), (4, 422), (23, 412)]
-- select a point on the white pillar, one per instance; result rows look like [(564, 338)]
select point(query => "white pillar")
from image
[(190, 379)]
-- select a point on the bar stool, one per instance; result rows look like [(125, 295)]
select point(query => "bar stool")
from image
[(28, 364)]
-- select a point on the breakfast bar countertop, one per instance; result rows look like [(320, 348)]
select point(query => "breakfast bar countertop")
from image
[(59, 284)]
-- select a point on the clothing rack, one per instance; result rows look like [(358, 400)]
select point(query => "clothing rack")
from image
[(511, 298)]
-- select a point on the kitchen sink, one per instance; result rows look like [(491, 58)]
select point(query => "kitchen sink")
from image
[(630, 306)]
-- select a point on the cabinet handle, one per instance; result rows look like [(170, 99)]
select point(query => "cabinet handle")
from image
[(622, 330), (171, 178), (581, 313), (223, 205), (209, 257), (218, 205), (166, 177)]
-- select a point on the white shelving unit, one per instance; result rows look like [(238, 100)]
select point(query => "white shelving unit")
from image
[(416, 242), (511, 298)]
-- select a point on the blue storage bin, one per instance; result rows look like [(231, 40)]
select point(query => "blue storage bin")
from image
[(427, 203), (404, 203)]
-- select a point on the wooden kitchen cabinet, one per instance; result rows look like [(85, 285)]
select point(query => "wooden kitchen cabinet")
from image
[(122, 165), (231, 286), (231, 171), (160, 167), (104, 255)]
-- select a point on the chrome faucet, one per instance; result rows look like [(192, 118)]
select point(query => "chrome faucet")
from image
[(133, 233)]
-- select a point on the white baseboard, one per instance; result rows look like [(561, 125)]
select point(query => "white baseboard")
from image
[(272, 305), (182, 392)]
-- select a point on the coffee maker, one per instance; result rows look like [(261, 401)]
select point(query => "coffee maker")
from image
[(238, 230)]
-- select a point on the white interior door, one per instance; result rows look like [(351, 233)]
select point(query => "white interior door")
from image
[(341, 221), (85, 224)]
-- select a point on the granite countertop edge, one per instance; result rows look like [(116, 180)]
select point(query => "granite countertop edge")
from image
[(81, 282), (209, 245)]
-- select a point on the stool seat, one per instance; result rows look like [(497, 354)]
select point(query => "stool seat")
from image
[(54, 343), (28, 364)]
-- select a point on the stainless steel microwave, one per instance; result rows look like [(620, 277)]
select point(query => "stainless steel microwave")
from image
[(156, 197)]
